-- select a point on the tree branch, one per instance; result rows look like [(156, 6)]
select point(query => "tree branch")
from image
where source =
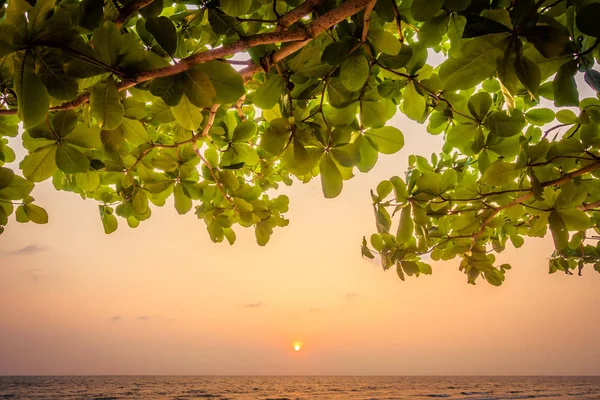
[(211, 119), (297, 13), (558, 181), (367, 20), (299, 38), (129, 9)]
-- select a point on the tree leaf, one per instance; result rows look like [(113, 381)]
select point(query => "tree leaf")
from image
[(36, 214), (268, 94), (163, 30), (387, 140), (183, 204), (564, 86), (414, 104), (187, 115), (106, 105), (198, 88), (227, 82), (41, 164), (354, 72), (235, 8), (587, 21), (71, 160), (107, 42), (560, 234), (476, 62), (500, 173), (31, 93), (331, 178)]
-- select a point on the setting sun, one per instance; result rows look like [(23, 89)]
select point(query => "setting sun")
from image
[(297, 347)]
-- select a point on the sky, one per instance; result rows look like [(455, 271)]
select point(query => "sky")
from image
[(163, 299)]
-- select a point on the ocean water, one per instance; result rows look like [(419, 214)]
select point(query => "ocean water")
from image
[(292, 387)]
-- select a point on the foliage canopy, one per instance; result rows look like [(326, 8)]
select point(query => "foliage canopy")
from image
[(130, 102)]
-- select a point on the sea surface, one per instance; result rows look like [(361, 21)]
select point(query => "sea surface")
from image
[(296, 387)]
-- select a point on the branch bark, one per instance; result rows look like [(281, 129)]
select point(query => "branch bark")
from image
[(558, 181), (299, 39), (129, 9), (297, 13)]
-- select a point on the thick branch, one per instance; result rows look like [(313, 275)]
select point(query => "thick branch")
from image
[(129, 9), (367, 20), (300, 38), (297, 13), (333, 17), (559, 181)]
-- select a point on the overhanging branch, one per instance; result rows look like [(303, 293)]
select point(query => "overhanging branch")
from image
[(299, 39)]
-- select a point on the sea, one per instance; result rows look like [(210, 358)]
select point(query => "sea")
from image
[(296, 387)]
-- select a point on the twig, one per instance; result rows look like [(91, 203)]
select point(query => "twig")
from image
[(210, 169), (238, 106), (299, 38), (211, 120), (559, 181), (129, 9), (398, 19)]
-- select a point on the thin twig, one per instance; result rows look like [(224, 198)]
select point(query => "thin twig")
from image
[(211, 119)]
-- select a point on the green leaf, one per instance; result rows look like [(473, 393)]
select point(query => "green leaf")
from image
[(384, 42), (564, 86), (354, 72), (198, 88), (406, 226), (227, 82), (107, 42), (163, 30), (36, 214), (560, 234), (41, 164), (109, 221), (183, 204), (587, 19), (504, 125), (575, 220), (6, 176), (31, 93), (500, 173), (529, 74), (268, 94), (540, 116), (106, 105), (187, 115), (368, 154), (479, 104), (244, 131), (387, 140), (476, 62), (414, 104), (235, 8), (425, 10), (134, 132), (71, 160), (331, 178), (170, 88), (18, 189)]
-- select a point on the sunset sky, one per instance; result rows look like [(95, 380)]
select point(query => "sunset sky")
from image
[(163, 299)]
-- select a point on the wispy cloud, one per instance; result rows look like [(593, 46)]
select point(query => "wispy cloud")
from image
[(116, 318), (254, 305), (144, 318), (31, 249), (351, 295)]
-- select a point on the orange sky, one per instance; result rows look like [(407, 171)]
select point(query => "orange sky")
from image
[(163, 299)]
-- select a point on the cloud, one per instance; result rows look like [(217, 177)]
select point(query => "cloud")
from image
[(31, 249), (144, 318), (254, 305), (351, 295), (116, 318)]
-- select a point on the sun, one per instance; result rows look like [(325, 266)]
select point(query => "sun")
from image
[(297, 346)]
